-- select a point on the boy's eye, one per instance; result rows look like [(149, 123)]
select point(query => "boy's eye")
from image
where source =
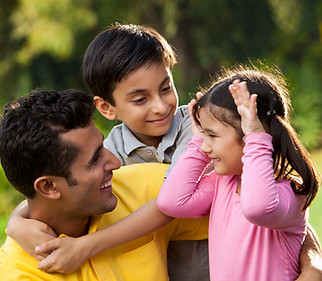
[(139, 100), (167, 88)]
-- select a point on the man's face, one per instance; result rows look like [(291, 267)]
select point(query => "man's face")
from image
[(92, 172)]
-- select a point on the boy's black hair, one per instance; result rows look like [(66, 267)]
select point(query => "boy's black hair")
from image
[(120, 50), (30, 128)]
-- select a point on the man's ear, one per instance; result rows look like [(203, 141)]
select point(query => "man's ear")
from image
[(105, 108), (47, 187)]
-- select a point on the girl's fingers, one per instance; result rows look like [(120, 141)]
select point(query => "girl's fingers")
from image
[(199, 95), (253, 104), (240, 94)]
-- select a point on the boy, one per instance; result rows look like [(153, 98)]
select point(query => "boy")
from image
[(128, 70)]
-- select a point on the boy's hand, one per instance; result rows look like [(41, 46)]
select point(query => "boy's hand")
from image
[(247, 108), (38, 232), (67, 254), (195, 128)]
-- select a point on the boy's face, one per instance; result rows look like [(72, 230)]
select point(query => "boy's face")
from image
[(146, 101)]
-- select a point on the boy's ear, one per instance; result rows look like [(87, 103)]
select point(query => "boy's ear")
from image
[(105, 108), (47, 187)]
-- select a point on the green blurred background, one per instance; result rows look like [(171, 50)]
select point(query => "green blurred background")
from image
[(42, 44)]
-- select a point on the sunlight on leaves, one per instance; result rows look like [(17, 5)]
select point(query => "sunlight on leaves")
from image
[(50, 26)]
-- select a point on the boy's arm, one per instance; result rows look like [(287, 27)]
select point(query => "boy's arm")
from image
[(38, 232), (70, 253), (311, 258)]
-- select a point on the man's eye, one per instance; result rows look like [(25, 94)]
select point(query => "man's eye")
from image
[(96, 158)]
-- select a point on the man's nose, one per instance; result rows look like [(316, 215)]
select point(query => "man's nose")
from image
[(111, 161)]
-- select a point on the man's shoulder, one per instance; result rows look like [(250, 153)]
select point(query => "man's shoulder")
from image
[(149, 169), (16, 264), (146, 175)]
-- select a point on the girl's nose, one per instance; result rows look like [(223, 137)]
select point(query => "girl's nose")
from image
[(205, 147)]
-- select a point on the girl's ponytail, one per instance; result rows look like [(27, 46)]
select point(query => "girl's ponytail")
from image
[(292, 160)]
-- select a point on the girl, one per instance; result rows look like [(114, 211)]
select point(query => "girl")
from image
[(262, 183)]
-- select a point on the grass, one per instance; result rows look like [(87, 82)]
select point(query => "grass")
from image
[(315, 209), (3, 223), (315, 217)]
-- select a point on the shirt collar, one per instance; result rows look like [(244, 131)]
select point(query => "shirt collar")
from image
[(131, 143)]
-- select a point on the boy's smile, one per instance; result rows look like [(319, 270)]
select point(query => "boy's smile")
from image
[(146, 101)]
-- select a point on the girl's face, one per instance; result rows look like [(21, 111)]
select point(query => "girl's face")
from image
[(221, 144)]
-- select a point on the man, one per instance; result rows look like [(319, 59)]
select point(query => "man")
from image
[(53, 153)]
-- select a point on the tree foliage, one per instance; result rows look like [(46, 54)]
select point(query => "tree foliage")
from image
[(42, 44)]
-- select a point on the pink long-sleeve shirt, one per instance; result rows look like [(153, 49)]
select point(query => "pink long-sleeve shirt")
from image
[(254, 236)]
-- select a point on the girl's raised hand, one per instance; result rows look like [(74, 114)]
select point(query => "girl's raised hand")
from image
[(195, 128), (246, 107)]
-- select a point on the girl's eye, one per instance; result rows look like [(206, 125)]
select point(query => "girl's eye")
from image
[(212, 136)]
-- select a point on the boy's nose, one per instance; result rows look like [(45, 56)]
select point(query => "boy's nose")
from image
[(159, 106)]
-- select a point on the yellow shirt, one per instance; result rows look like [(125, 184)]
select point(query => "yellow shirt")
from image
[(141, 259)]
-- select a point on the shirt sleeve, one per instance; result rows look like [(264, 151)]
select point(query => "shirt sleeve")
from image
[(264, 200), (183, 139), (182, 194), (114, 143)]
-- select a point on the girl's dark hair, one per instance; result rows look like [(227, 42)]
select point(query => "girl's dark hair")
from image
[(290, 158)]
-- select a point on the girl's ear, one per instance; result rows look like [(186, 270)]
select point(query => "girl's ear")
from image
[(105, 108), (47, 187)]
